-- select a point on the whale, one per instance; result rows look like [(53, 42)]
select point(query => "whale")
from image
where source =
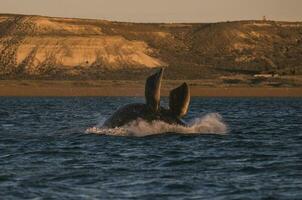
[(151, 110)]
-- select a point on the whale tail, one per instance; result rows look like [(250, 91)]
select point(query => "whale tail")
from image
[(179, 100), (179, 97), (152, 90)]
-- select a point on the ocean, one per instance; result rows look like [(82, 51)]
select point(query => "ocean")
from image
[(233, 148)]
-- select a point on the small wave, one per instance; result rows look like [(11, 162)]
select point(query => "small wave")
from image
[(209, 124)]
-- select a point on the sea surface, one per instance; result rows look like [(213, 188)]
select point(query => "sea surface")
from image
[(233, 148)]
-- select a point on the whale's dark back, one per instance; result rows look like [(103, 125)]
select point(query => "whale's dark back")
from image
[(126, 114), (132, 112)]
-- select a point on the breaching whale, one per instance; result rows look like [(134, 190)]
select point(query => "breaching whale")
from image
[(179, 101)]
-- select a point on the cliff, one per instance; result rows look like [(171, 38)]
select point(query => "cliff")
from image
[(36, 47)]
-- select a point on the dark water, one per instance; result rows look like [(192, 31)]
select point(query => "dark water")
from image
[(46, 154)]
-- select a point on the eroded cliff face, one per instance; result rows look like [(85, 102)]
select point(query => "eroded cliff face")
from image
[(35, 46), (31, 45), (112, 52)]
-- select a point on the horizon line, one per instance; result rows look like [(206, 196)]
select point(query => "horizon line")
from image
[(137, 22)]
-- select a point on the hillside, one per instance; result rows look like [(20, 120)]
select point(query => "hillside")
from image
[(36, 47)]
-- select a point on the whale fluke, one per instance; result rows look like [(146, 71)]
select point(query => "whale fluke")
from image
[(179, 100), (152, 90)]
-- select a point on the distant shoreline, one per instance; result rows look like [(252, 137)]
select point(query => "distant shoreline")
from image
[(133, 88)]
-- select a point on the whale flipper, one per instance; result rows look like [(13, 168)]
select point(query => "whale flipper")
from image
[(179, 100), (151, 111), (152, 91)]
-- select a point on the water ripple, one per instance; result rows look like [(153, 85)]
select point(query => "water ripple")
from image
[(46, 154)]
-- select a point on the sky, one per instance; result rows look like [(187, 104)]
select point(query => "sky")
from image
[(159, 10)]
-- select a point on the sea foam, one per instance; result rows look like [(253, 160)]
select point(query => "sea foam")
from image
[(209, 124)]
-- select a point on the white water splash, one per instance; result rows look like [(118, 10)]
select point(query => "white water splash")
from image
[(209, 124)]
